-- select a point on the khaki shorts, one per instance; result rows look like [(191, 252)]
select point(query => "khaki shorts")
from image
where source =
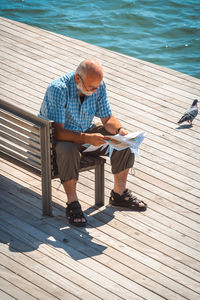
[(68, 156)]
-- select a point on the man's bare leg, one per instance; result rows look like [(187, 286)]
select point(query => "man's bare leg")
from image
[(120, 180), (70, 190)]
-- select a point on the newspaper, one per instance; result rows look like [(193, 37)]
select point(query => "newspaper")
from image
[(120, 142)]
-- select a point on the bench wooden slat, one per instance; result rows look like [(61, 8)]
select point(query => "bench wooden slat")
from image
[(28, 140), (34, 146), (19, 122), (32, 135), (20, 161), (23, 114), (15, 152), (31, 150)]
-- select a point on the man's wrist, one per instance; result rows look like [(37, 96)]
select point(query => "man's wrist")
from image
[(118, 130), (84, 137)]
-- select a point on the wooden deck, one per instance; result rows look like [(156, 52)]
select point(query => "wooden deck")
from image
[(121, 254)]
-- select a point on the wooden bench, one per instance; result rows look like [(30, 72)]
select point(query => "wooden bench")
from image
[(29, 142)]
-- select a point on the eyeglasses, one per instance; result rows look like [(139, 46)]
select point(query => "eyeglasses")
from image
[(91, 89)]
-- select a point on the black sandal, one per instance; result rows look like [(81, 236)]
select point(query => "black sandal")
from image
[(74, 212), (132, 201)]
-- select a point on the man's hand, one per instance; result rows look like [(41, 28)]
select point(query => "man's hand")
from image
[(95, 139), (123, 131), (111, 124)]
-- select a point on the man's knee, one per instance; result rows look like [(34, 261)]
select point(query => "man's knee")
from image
[(121, 160)]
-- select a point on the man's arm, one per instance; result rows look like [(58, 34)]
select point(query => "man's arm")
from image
[(112, 125), (62, 134)]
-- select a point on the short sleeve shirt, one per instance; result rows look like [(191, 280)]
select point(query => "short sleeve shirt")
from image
[(62, 104)]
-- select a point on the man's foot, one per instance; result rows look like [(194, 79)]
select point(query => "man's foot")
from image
[(127, 200), (75, 215)]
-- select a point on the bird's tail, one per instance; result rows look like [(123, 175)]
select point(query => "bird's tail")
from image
[(183, 119)]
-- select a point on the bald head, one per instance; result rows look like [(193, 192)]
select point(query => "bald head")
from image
[(90, 67), (88, 77)]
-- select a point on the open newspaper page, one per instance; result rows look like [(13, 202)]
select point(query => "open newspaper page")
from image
[(121, 142)]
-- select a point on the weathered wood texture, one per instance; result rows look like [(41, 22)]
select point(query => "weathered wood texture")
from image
[(121, 254)]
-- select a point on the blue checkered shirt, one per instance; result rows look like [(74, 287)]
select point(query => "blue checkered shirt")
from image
[(62, 104)]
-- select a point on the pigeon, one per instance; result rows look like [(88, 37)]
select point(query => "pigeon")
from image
[(190, 113)]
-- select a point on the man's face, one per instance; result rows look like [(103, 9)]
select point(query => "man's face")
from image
[(88, 85), (80, 88)]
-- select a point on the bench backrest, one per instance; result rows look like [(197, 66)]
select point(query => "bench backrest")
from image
[(26, 140)]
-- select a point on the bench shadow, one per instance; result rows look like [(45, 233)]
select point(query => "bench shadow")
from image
[(27, 229)]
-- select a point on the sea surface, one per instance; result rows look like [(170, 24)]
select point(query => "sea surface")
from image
[(163, 32)]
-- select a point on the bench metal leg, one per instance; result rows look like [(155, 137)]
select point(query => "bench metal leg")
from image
[(46, 197), (99, 185), (46, 171)]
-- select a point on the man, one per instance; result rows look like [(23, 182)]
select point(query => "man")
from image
[(72, 101)]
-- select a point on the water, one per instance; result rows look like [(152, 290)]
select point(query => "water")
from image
[(163, 32)]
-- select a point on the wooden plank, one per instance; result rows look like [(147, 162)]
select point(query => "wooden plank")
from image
[(123, 249), (67, 272), (21, 87), (89, 263), (182, 166), (154, 189), (148, 115), (13, 291), (168, 246), (20, 280), (171, 185), (156, 194), (50, 274), (5, 296), (45, 68), (16, 100), (162, 166)]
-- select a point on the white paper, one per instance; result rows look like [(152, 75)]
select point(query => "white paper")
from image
[(121, 142)]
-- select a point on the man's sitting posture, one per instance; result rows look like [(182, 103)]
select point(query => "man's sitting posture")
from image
[(72, 101)]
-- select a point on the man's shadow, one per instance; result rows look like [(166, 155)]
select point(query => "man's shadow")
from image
[(24, 229)]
